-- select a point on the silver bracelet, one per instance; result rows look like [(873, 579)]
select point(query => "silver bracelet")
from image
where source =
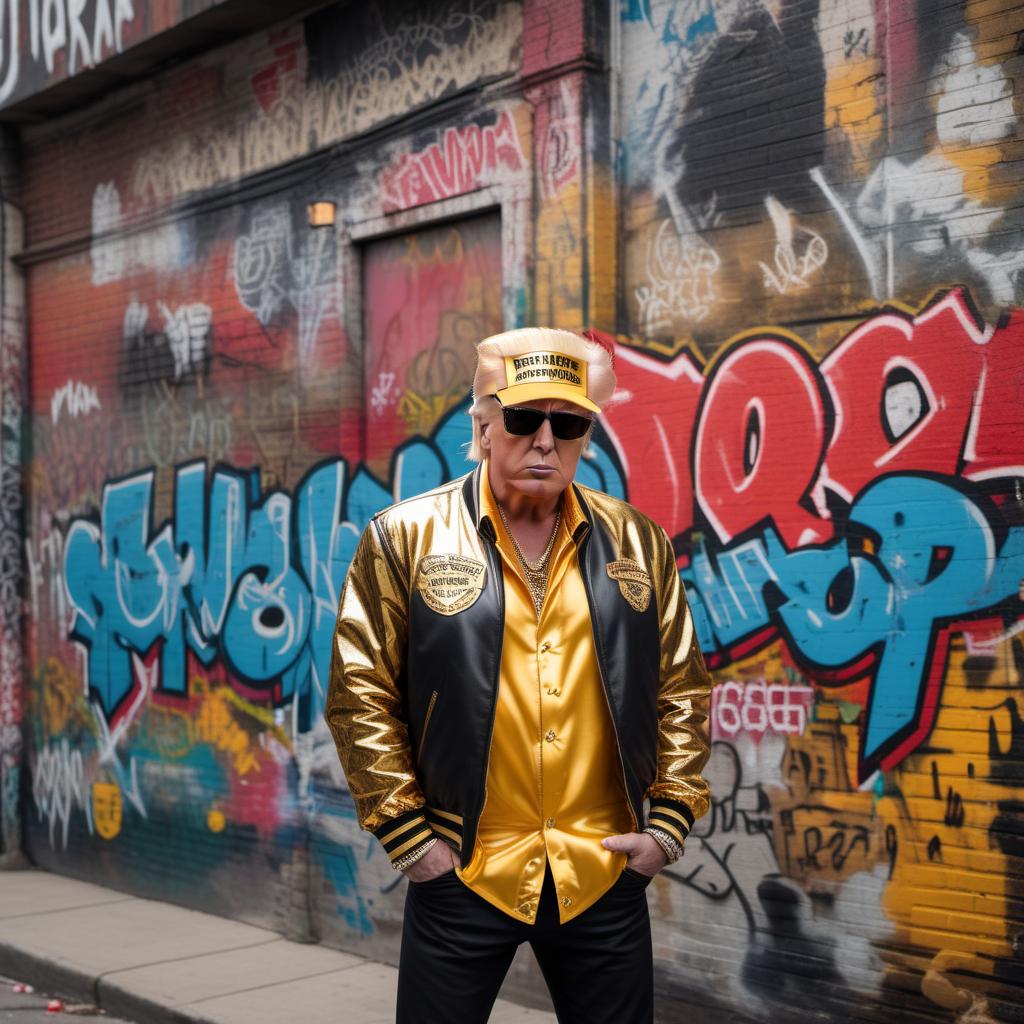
[(410, 858), (673, 849)]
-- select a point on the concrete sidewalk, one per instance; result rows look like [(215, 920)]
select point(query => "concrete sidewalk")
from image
[(156, 963)]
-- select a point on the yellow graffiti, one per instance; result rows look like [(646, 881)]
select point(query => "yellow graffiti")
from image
[(995, 27), (217, 725), (949, 896), (439, 376), (222, 719), (602, 251), (421, 413), (825, 829), (107, 809), (558, 230), (984, 173), (932, 825), (435, 247), (63, 697), (560, 222), (853, 106), (215, 820)]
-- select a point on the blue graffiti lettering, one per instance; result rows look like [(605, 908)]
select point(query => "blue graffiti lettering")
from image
[(929, 555), (255, 579), (255, 582), (248, 578)]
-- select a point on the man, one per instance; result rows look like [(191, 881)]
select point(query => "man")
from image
[(514, 672)]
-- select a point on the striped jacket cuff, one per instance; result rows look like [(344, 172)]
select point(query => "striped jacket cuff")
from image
[(671, 815), (447, 825), (404, 834)]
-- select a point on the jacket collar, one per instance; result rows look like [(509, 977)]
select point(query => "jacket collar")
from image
[(583, 520)]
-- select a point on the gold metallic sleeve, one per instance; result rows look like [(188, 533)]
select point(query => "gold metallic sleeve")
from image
[(364, 705), (679, 794)]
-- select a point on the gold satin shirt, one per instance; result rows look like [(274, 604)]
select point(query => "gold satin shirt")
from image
[(554, 779)]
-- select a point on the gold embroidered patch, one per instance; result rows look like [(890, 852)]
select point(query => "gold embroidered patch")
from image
[(634, 583), (449, 584)]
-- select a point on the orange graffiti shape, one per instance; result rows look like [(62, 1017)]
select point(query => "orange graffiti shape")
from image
[(63, 696)]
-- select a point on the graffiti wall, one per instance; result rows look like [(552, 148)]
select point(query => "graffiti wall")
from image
[(861, 603), (822, 353), (43, 42), (12, 402), (219, 400), (800, 223)]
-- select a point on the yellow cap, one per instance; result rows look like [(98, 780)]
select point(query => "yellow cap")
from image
[(545, 374)]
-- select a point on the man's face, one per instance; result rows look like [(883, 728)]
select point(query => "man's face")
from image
[(539, 465)]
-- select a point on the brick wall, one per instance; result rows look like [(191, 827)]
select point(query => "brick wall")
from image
[(820, 283), (801, 222), (12, 403)]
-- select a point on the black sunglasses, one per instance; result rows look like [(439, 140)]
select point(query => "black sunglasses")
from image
[(566, 426)]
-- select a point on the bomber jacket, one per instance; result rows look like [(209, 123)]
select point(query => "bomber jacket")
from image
[(417, 650)]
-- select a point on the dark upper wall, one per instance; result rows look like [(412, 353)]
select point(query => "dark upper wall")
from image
[(59, 54)]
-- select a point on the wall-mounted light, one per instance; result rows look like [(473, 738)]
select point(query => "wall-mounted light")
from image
[(321, 214)]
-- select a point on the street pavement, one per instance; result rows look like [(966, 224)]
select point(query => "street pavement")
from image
[(31, 1008), (155, 963)]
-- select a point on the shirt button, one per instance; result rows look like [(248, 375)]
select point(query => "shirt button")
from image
[(545, 647), (549, 822), (550, 735), (566, 901)]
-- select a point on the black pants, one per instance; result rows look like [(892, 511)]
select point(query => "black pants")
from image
[(457, 948)]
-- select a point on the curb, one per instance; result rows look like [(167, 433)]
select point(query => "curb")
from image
[(47, 975), (55, 978), (120, 1002)]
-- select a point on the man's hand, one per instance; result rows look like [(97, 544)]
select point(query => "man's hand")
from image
[(642, 851), (436, 861)]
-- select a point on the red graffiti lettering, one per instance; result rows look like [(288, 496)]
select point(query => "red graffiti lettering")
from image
[(460, 162), (903, 391), (650, 425), (272, 82), (760, 438), (994, 445), (933, 392)]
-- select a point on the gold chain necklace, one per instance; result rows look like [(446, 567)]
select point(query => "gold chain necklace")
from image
[(536, 572)]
